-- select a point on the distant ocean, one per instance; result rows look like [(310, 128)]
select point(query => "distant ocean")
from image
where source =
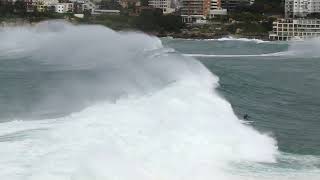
[(85, 102)]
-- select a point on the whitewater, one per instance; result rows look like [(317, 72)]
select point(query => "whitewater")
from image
[(127, 109)]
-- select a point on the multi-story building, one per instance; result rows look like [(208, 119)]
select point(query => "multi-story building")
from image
[(126, 3), (195, 10), (68, 7), (231, 5), (29, 4), (84, 5), (215, 4), (301, 8), (290, 29), (47, 2), (59, 8), (216, 8), (165, 5), (63, 7)]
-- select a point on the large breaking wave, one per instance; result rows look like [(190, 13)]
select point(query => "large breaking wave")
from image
[(145, 114)]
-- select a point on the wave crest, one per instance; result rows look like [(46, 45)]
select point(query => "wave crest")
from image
[(158, 115)]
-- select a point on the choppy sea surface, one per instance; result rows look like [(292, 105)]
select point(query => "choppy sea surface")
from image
[(85, 102)]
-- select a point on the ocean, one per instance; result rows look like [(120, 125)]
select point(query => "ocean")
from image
[(85, 102)]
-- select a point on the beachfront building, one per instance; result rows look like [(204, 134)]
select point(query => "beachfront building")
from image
[(48, 2), (301, 8), (198, 11), (127, 3), (84, 5), (63, 7), (216, 9), (59, 8), (165, 5), (293, 29), (195, 11)]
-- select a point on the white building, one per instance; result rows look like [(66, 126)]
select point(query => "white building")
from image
[(301, 8), (48, 2), (63, 7), (165, 5), (289, 29), (59, 8), (220, 12)]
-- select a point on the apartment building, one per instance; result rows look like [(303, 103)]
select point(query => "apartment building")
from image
[(29, 4), (59, 8), (301, 8), (291, 29), (198, 11), (165, 5), (216, 9), (47, 2), (194, 11), (83, 5), (63, 7)]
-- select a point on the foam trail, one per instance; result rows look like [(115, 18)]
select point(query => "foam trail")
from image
[(158, 115), (239, 55), (230, 38)]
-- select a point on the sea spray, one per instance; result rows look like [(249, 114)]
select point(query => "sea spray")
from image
[(141, 112)]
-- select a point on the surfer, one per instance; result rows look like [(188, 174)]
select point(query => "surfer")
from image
[(246, 116)]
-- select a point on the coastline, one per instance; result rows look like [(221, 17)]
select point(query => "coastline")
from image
[(184, 34), (206, 36)]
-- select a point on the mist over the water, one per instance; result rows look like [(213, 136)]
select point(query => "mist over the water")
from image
[(67, 68), (129, 109)]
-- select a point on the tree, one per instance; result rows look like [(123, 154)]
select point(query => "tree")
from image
[(6, 8), (154, 20), (144, 2), (20, 7)]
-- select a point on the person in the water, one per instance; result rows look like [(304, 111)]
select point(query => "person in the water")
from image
[(246, 116)]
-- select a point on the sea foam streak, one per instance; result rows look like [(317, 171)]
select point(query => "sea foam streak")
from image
[(160, 117), (229, 38), (236, 55)]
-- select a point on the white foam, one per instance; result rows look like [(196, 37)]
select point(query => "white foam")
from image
[(236, 55), (181, 132), (229, 38)]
